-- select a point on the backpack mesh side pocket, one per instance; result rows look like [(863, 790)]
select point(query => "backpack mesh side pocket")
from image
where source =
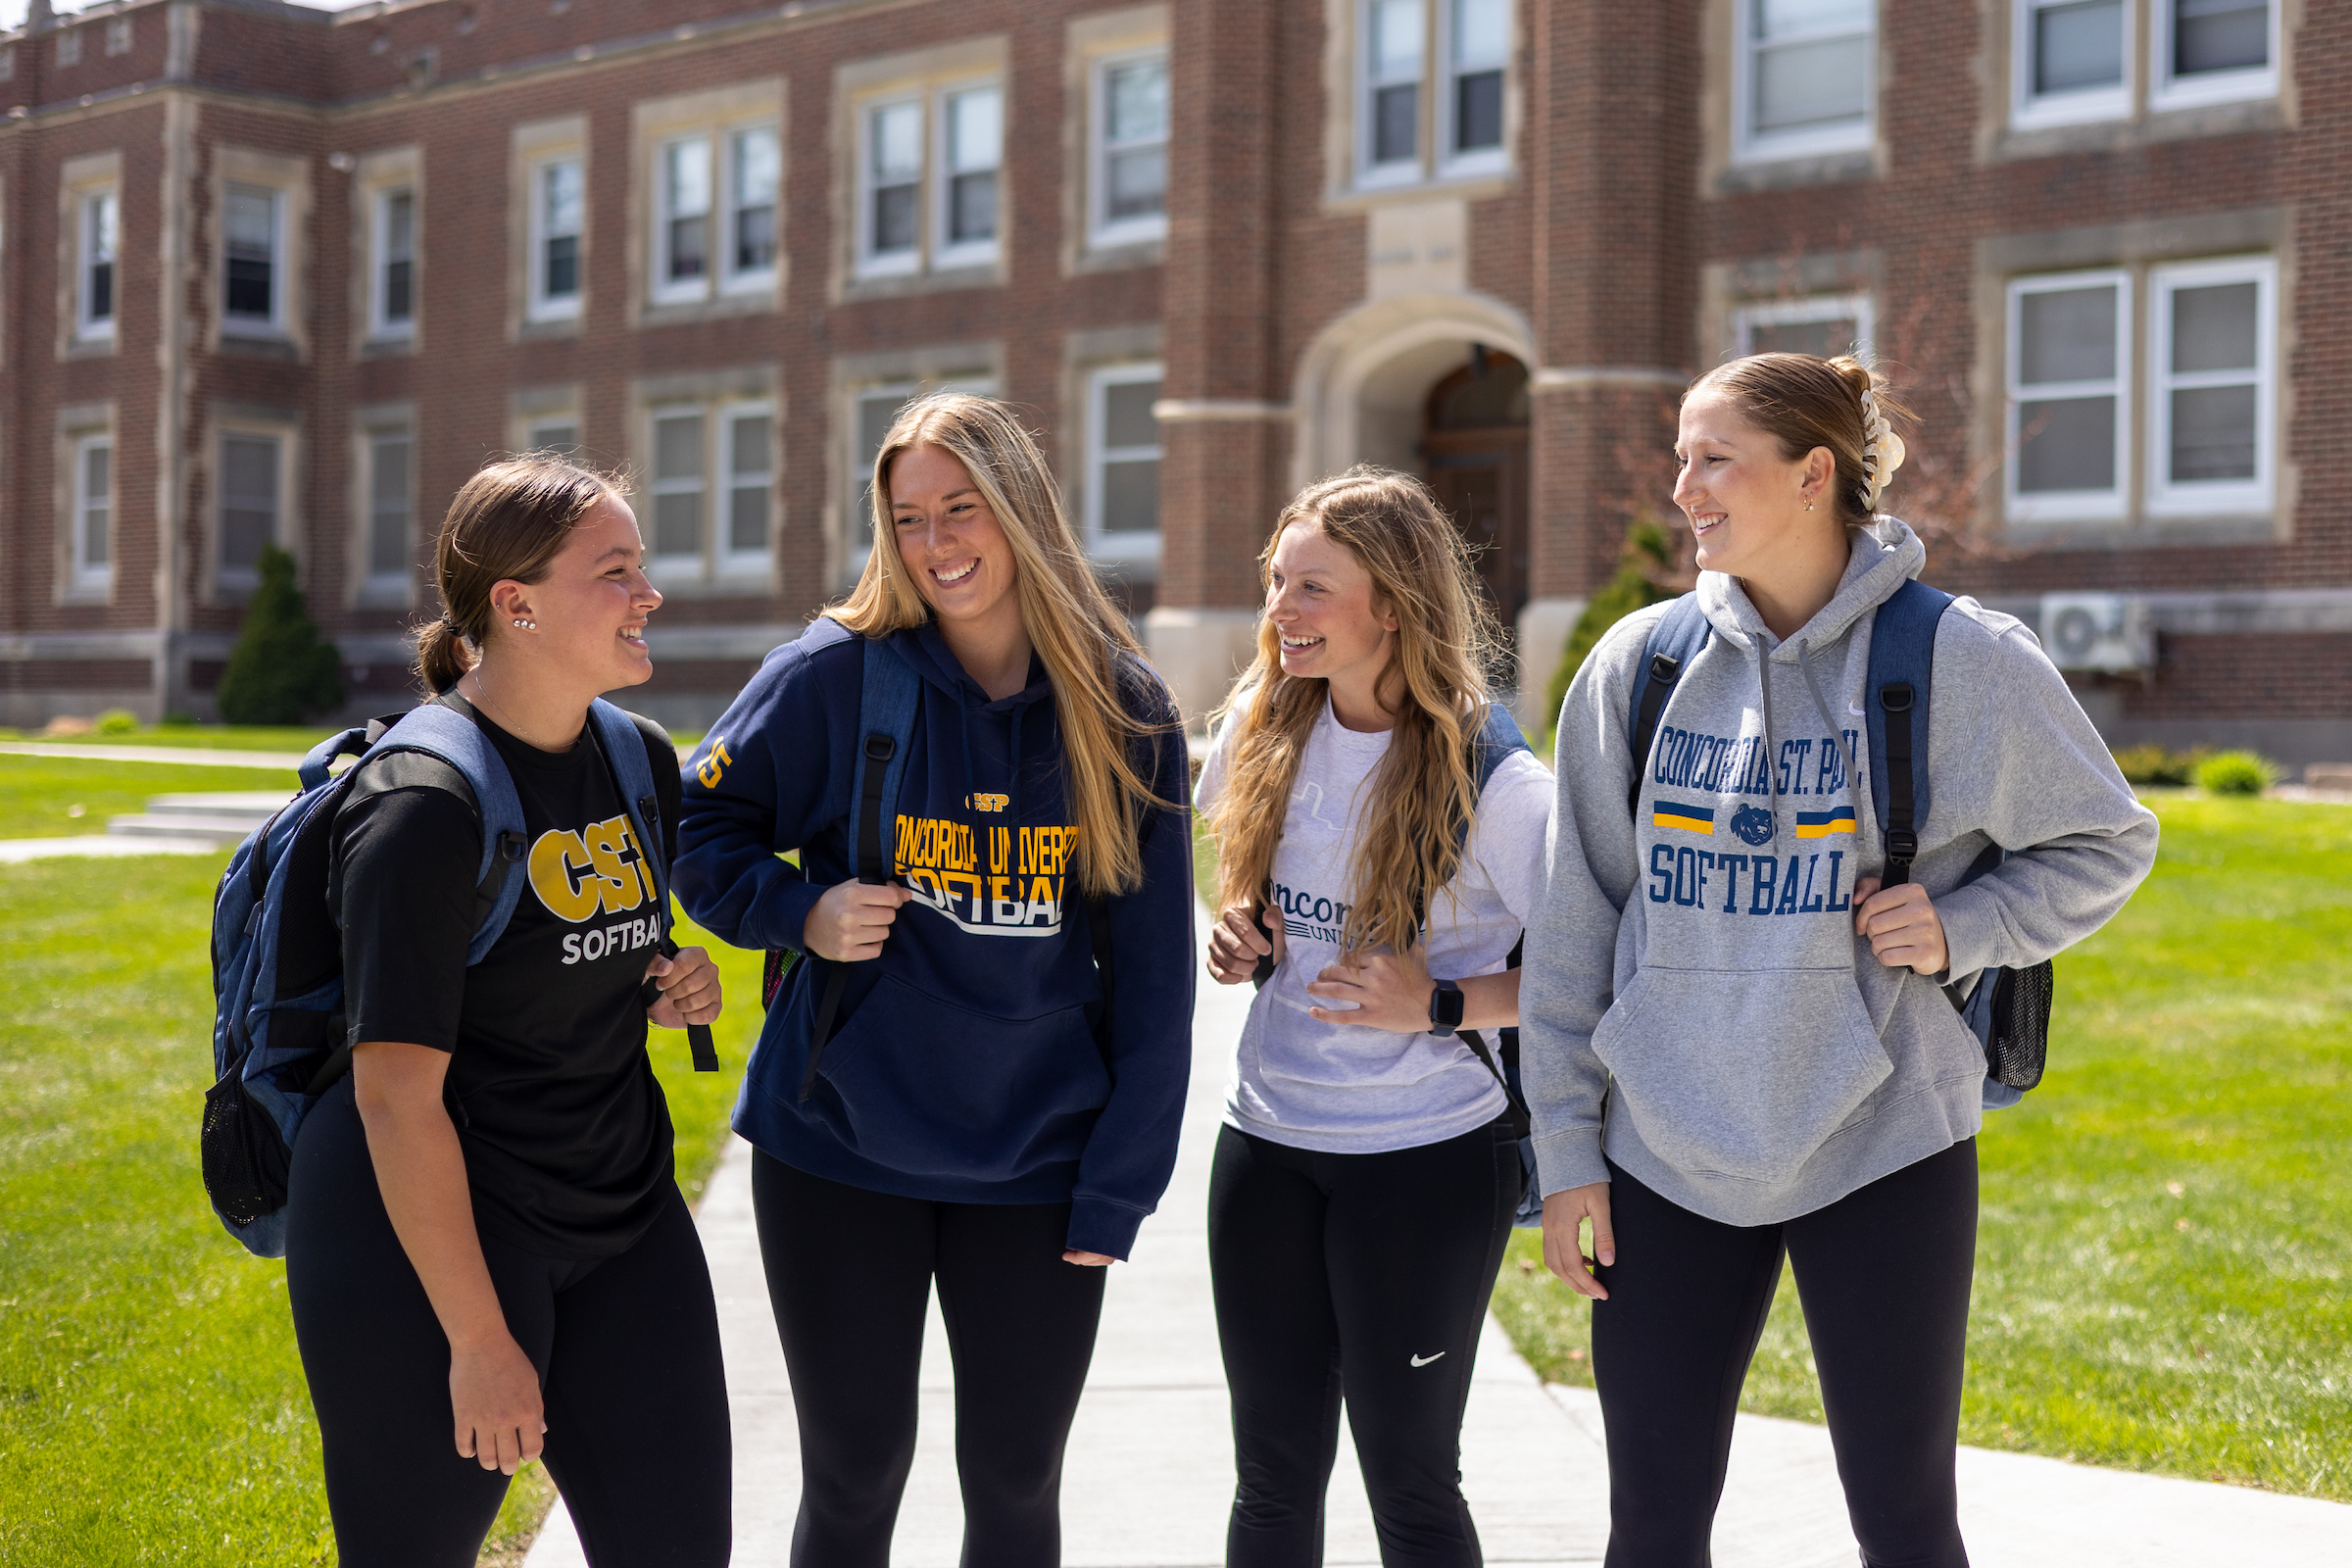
[(2020, 1025), (245, 1164)]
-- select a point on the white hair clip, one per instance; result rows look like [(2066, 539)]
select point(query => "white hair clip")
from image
[(1882, 452)]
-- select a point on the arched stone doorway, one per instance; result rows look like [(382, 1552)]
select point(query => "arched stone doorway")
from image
[(1474, 454)]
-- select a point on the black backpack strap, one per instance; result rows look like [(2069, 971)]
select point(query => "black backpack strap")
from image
[(1902, 666), (873, 870), (1673, 643)]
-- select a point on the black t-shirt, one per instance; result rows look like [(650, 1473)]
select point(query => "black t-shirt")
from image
[(566, 1131)]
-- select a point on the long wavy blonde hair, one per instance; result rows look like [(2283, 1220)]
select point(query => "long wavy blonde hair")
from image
[(1070, 620), (1422, 793)]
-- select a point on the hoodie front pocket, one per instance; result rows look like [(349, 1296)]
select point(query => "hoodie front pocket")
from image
[(1739, 1073), (921, 1086)]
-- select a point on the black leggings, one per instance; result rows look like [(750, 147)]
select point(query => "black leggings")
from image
[(628, 1352), (1364, 1276), (1884, 1274), (850, 1274)]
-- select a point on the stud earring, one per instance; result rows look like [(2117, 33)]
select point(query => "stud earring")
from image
[(1808, 507), (532, 625)]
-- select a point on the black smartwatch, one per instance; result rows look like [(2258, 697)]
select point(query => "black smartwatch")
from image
[(1444, 1008)]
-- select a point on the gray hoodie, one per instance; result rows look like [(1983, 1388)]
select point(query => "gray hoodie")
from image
[(1695, 1000)]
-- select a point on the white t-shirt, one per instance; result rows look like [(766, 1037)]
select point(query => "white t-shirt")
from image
[(1345, 1088)]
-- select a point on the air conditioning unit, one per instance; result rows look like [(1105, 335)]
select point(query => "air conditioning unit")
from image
[(2108, 632)]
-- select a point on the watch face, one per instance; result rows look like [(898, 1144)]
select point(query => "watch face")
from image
[(1447, 1006)]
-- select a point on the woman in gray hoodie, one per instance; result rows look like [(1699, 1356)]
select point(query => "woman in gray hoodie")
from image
[(1722, 1071)]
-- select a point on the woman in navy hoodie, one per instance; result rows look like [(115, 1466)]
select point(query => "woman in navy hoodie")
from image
[(946, 1088)]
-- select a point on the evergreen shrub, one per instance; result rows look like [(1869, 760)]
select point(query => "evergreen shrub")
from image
[(1649, 555), (280, 673)]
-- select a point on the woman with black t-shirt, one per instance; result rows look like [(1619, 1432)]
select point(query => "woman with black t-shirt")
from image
[(487, 1255)]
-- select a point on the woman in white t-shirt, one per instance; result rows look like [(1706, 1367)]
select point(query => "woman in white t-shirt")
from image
[(1368, 1168)]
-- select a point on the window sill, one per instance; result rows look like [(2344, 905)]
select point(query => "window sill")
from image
[(687, 580), (567, 325), (385, 594), (385, 348), (2017, 142), (899, 285), (1114, 257), (258, 345), (1764, 171), (1468, 187), (79, 347), (87, 591), (2147, 534), (682, 313)]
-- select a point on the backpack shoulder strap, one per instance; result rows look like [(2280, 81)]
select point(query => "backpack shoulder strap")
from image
[(629, 753), (886, 699), (1902, 668), (1673, 643), (1497, 739), (439, 730)]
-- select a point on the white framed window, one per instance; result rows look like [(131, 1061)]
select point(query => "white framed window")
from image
[(69, 46), (118, 35), (890, 206), (1122, 463), (680, 489), (1824, 325), (2213, 347), (1394, 44), (1804, 78), (2069, 61), (391, 522), (101, 242), (252, 259), (557, 433), (971, 126), (755, 185), (557, 224), (2211, 51), (1128, 134), (93, 521), (392, 280), (747, 460), (1477, 51), (251, 505), (2070, 393), (682, 209)]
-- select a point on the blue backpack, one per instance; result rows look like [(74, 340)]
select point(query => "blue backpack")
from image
[(2008, 1011), (277, 963)]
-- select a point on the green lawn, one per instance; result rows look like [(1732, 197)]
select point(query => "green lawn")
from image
[(51, 796), (2164, 1268), (152, 1408), (197, 737)]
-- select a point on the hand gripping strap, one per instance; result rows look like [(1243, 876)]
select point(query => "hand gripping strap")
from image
[(443, 732), (623, 746), (1673, 643), (886, 706), (1902, 666)]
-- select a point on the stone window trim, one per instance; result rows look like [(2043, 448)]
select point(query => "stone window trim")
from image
[(717, 400), (285, 180), (2146, 106), (1092, 43), (1860, 307), (83, 431), (2156, 254), (1355, 178), (928, 79), (1132, 554), (374, 179), (223, 583), (383, 432), (536, 150), (1748, 52), (546, 418), (87, 186), (865, 388), (711, 121)]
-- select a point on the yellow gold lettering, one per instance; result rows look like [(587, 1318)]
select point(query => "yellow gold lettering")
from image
[(560, 867)]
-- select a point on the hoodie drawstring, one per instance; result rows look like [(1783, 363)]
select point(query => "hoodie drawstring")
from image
[(1804, 655)]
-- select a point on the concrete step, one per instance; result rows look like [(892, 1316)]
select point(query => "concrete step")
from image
[(174, 825), (253, 805)]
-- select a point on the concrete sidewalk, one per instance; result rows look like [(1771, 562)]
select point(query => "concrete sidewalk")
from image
[(1150, 1473), (190, 755)]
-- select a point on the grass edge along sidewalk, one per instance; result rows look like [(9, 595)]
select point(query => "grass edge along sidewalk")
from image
[(2165, 1240), (152, 1408)]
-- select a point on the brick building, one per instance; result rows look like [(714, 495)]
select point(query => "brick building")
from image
[(270, 272)]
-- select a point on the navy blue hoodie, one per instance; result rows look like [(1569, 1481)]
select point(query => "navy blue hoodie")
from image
[(964, 1065)]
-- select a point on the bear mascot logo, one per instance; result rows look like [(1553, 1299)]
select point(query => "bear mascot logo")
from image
[(1752, 824)]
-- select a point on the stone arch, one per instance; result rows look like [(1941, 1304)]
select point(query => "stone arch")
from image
[(1361, 383)]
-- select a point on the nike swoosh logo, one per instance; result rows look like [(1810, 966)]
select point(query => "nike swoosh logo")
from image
[(1856, 711), (1424, 1360)]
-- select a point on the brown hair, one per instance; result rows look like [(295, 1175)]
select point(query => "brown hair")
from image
[(509, 522), (1071, 622), (1803, 402), (1422, 793)]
